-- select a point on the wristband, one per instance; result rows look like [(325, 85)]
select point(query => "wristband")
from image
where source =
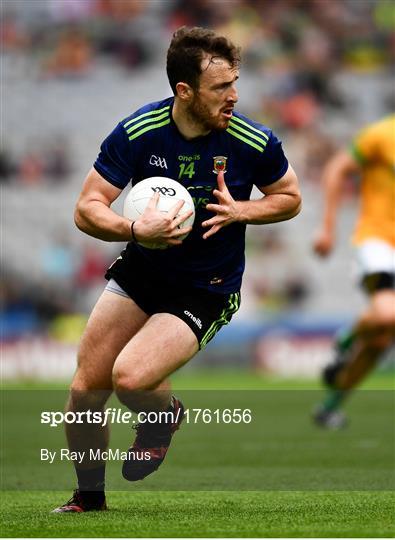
[(132, 230)]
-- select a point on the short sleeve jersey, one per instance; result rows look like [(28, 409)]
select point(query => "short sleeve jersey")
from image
[(374, 149), (148, 143)]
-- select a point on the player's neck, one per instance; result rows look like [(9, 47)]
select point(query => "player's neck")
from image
[(188, 126)]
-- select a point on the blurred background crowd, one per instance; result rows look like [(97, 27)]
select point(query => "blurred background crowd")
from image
[(315, 71)]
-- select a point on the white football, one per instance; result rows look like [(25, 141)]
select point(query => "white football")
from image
[(170, 192)]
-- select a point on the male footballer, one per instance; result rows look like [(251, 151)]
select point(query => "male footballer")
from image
[(358, 349), (141, 329)]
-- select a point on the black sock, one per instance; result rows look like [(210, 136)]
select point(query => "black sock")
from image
[(91, 482)]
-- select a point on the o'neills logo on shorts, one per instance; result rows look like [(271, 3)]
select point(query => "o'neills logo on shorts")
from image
[(197, 321), (219, 164)]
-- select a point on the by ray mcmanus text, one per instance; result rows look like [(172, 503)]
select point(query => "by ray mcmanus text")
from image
[(64, 454)]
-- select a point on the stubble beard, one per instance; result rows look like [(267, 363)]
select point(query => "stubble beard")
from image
[(200, 114)]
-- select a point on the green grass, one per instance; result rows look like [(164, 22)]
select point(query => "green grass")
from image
[(224, 379), (206, 514), (276, 477)]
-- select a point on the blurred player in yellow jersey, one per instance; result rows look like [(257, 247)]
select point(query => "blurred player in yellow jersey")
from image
[(358, 349)]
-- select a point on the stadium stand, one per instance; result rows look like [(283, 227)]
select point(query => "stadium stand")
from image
[(82, 108)]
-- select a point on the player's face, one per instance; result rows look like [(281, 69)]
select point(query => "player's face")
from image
[(212, 104)]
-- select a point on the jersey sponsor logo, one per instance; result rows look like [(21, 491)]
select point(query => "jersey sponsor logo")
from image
[(158, 161), (219, 164), (167, 191), (197, 321), (216, 281), (195, 157), (199, 200)]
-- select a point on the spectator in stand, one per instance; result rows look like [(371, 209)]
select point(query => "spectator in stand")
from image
[(31, 168), (58, 165), (91, 268), (72, 56), (7, 165)]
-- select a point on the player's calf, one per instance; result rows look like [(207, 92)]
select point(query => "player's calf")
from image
[(152, 443)]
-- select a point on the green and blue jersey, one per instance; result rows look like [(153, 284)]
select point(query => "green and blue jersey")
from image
[(148, 143)]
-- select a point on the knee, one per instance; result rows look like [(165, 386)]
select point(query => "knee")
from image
[(382, 331), (381, 313), (126, 382), (84, 395), (128, 387), (379, 342), (388, 323)]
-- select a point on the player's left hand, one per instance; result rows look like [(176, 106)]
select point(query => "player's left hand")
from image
[(227, 210)]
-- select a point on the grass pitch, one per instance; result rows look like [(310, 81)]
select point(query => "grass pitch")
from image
[(276, 477), (205, 514)]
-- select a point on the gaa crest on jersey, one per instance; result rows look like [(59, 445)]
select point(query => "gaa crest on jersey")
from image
[(219, 164)]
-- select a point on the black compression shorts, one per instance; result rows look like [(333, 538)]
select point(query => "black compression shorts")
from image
[(378, 281)]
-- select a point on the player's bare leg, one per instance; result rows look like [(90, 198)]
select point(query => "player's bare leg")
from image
[(140, 380), (373, 335), (100, 345)]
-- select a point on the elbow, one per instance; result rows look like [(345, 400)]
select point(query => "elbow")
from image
[(296, 206), (78, 217)]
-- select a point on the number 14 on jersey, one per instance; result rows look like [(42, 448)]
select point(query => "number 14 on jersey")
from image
[(186, 169)]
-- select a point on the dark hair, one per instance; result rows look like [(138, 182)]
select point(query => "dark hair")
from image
[(186, 51)]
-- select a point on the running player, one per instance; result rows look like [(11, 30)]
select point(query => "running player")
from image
[(161, 306), (358, 349)]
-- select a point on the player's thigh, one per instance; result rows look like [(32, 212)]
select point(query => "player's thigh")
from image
[(382, 308), (114, 320), (163, 345), (377, 324)]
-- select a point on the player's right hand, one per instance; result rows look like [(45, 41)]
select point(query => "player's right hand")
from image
[(323, 243), (161, 227)]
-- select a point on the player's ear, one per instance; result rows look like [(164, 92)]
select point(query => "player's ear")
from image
[(184, 91)]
